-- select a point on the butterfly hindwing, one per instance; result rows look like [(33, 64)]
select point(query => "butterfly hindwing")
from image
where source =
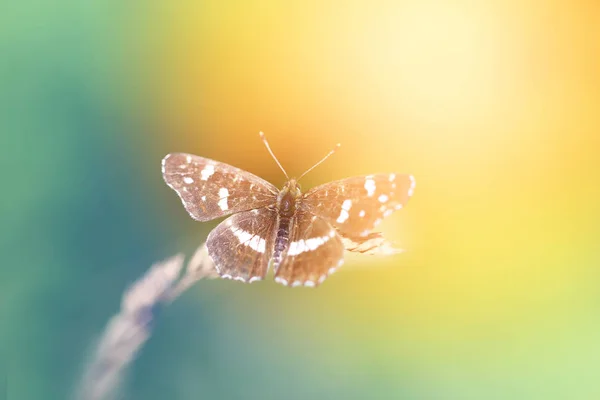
[(315, 250), (210, 189), (354, 206), (242, 245)]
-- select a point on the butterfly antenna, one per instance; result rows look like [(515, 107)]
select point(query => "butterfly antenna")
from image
[(264, 139), (337, 146)]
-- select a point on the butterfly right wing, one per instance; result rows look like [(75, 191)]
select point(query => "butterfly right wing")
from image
[(355, 206), (242, 245), (210, 189)]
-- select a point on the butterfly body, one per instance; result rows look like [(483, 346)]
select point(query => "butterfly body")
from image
[(287, 203), (301, 235)]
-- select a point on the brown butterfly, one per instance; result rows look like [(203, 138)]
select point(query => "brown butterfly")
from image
[(303, 235)]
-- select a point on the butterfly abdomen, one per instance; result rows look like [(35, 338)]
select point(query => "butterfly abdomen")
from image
[(281, 240), (286, 207)]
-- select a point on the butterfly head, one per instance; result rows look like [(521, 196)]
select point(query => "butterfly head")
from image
[(292, 187)]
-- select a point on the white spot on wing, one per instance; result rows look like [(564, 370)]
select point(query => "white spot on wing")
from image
[(383, 198), (361, 213), (343, 216), (188, 159), (279, 279), (203, 198), (346, 205), (309, 284), (188, 180), (413, 183), (293, 248), (255, 242), (388, 213), (392, 177), (370, 186), (311, 244), (207, 172), (223, 194), (254, 279)]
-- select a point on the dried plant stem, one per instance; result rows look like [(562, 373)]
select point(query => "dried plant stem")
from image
[(127, 331)]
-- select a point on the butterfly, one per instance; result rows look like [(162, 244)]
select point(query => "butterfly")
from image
[(301, 235)]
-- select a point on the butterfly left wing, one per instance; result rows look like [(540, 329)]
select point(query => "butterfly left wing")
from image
[(315, 251), (354, 206), (242, 245), (210, 189)]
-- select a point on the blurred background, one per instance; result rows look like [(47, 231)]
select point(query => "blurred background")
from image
[(493, 106)]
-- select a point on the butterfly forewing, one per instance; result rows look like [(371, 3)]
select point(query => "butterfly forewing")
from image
[(242, 245), (315, 250), (210, 189), (354, 206)]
